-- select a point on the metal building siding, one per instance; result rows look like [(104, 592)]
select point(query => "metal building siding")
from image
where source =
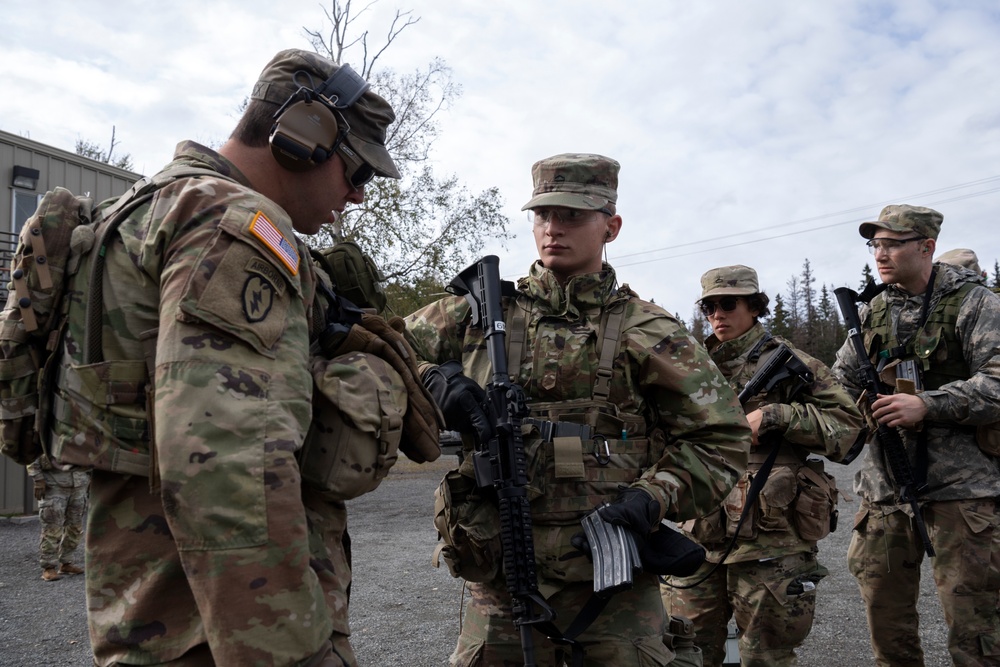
[(56, 167)]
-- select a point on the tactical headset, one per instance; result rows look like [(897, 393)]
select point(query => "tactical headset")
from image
[(309, 126)]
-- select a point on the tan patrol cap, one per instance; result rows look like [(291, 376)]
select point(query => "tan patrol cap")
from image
[(736, 280), (961, 257), (574, 180), (905, 218)]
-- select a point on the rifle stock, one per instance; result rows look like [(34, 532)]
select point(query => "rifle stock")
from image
[(888, 437), (500, 463)]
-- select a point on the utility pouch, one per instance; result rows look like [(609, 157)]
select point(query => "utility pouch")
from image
[(469, 526), (988, 438), (816, 505), (358, 407)]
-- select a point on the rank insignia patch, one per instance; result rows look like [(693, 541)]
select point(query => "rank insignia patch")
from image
[(258, 297), (265, 230)]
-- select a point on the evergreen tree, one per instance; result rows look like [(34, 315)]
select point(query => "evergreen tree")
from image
[(866, 277), (780, 325), (996, 273)]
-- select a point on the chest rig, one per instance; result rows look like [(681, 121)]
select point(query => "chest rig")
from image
[(935, 347), (580, 450)]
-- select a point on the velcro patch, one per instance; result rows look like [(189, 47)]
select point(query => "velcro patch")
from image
[(265, 230)]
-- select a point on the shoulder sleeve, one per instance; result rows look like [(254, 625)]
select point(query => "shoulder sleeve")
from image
[(436, 331), (707, 434)]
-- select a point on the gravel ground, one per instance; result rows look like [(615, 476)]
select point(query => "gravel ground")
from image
[(403, 611)]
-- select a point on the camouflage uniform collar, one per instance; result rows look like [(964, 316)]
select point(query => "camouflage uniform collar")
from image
[(736, 348), (588, 291), (192, 153)]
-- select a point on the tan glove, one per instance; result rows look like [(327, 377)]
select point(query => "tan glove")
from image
[(40, 488)]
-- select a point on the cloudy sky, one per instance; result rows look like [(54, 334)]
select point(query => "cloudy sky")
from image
[(749, 131)]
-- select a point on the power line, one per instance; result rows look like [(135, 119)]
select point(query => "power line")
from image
[(805, 220)]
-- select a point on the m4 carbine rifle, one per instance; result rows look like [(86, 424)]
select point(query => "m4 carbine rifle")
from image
[(500, 463), (888, 437)]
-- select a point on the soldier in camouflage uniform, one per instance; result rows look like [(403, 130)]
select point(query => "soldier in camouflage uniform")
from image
[(940, 318), (61, 492), (198, 548), (768, 581), (585, 350)]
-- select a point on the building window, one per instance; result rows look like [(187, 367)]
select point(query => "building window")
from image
[(25, 204)]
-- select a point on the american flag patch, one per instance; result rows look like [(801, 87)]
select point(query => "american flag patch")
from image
[(265, 230)]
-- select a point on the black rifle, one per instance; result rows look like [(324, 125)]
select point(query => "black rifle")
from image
[(892, 443), (782, 365), (500, 463)]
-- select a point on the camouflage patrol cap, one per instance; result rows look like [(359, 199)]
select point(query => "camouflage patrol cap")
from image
[(368, 117), (905, 218), (574, 180), (961, 257), (736, 280)]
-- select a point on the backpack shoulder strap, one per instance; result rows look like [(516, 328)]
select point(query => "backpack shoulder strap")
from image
[(612, 328), (112, 218)]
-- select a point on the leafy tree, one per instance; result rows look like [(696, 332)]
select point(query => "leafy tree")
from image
[(92, 150), (425, 228)]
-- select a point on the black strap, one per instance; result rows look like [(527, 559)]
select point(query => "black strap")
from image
[(760, 478)]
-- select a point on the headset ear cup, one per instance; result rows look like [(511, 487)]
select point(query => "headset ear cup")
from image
[(303, 136)]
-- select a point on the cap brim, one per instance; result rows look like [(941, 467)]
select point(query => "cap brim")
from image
[(728, 291), (376, 155), (567, 200), (868, 229)]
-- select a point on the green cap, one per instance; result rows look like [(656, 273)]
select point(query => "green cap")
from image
[(368, 117), (736, 280), (574, 180), (905, 218)]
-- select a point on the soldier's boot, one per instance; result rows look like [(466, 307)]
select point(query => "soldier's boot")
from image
[(51, 574), (69, 568)]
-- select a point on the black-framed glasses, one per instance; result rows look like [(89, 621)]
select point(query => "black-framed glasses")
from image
[(359, 173), (726, 303), (890, 245)]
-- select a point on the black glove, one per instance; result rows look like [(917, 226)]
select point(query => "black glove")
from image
[(669, 552), (634, 508), (461, 400)]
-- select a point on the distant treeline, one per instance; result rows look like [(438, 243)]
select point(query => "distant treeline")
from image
[(808, 317)]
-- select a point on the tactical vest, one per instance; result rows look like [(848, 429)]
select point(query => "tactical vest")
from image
[(592, 447), (936, 344)]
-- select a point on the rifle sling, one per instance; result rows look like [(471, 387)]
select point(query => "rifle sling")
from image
[(755, 486)]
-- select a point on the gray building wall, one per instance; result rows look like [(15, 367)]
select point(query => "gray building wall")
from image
[(55, 167)]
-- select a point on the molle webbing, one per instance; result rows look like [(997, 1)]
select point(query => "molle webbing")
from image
[(609, 336)]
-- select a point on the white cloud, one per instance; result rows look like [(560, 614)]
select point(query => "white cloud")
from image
[(726, 116)]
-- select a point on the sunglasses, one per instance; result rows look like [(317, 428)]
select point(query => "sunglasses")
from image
[(727, 303), (359, 173)]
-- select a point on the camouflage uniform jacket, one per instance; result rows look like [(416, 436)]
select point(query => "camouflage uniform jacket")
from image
[(957, 468), (820, 419), (216, 267), (661, 374)]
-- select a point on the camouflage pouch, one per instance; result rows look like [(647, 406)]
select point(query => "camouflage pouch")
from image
[(358, 407), (469, 526), (354, 274), (816, 513), (775, 500)]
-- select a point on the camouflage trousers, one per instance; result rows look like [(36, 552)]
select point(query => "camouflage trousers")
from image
[(61, 513), (772, 600), (628, 633), (330, 549), (885, 557)]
